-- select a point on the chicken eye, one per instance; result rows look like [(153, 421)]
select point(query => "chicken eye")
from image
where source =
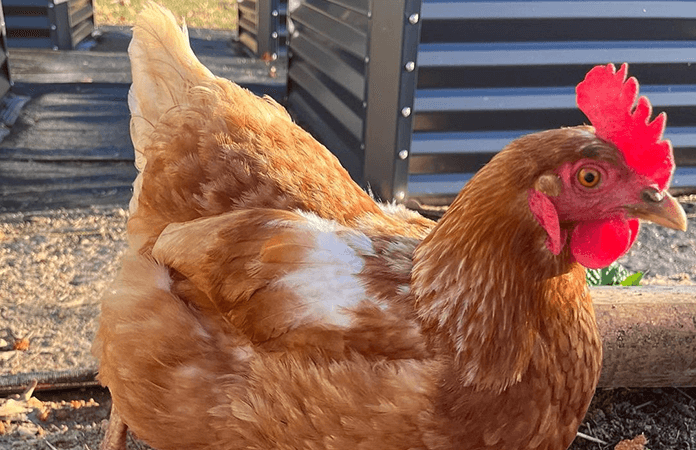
[(588, 177)]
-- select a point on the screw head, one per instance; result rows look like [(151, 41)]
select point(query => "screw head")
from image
[(274, 35), (405, 111), (403, 154), (274, 13), (413, 18), (400, 195), (409, 66)]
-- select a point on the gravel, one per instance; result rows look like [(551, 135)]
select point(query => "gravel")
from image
[(54, 266)]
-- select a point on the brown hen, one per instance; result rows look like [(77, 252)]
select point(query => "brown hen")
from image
[(268, 302)]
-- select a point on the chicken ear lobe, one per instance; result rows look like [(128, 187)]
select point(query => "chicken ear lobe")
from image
[(546, 215)]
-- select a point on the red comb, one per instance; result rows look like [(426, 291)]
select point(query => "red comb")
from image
[(607, 98)]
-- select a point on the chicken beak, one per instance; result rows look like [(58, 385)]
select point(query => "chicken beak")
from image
[(659, 208)]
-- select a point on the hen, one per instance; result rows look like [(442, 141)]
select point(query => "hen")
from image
[(268, 302)]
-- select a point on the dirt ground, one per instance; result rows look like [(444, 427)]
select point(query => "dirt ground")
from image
[(54, 265)]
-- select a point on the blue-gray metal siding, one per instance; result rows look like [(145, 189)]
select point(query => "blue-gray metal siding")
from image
[(489, 72)]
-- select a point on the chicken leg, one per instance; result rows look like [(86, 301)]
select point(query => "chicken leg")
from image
[(116, 433)]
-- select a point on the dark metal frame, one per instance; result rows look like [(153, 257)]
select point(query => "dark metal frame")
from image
[(263, 27), (391, 80)]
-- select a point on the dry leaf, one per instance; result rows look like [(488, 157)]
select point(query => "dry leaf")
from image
[(21, 344), (637, 443)]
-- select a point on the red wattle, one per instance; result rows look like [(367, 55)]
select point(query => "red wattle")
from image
[(596, 244)]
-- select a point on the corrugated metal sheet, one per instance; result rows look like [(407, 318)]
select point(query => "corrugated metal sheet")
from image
[(56, 24), (263, 27), (487, 72), (327, 74)]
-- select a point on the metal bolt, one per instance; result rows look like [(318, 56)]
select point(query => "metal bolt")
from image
[(50, 4), (274, 56), (367, 59), (400, 195), (413, 18), (362, 146), (55, 47), (405, 111), (274, 13), (274, 35), (53, 27), (409, 66), (403, 154), (364, 104)]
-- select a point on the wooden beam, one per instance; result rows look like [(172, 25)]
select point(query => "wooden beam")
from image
[(649, 335)]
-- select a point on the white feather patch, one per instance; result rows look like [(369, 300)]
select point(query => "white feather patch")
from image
[(328, 284)]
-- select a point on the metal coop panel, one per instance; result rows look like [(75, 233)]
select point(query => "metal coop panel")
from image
[(56, 24), (263, 27), (414, 96), (327, 74), (489, 72)]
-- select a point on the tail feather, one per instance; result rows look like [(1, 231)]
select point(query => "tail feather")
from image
[(163, 68), (206, 146)]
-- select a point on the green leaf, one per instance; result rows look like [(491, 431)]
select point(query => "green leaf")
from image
[(613, 275), (632, 280), (609, 275)]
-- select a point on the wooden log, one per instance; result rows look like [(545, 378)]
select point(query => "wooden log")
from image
[(649, 335)]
